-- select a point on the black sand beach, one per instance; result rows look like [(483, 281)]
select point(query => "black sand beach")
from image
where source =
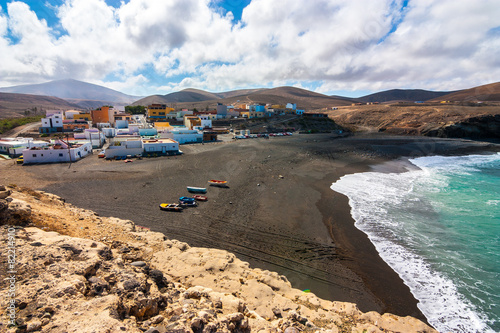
[(278, 213)]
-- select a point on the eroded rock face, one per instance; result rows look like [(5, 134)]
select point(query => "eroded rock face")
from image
[(13, 211), (145, 282), (475, 128)]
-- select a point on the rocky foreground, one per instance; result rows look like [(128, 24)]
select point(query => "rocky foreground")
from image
[(78, 272)]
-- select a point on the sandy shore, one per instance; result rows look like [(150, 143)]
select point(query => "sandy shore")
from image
[(279, 212)]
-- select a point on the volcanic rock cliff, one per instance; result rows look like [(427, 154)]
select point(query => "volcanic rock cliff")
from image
[(435, 120), (78, 272)]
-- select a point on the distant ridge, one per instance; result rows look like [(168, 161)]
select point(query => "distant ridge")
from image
[(191, 95), (15, 105), (487, 93), (409, 95), (194, 98), (73, 89)]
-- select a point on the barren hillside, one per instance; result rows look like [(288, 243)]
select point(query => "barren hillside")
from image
[(17, 105), (434, 120), (191, 98), (488, 92)]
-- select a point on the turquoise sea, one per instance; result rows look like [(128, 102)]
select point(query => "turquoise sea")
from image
[(438, 226)]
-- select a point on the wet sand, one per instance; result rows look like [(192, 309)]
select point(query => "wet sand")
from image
[(278, 213)]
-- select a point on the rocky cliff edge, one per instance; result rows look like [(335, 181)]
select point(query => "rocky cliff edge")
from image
[(78, 272)]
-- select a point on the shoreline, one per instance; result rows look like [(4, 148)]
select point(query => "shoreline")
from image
[(264, 219)]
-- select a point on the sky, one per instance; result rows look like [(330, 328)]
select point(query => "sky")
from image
[(335, 47)]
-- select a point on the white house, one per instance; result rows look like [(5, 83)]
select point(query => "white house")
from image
[(206, 121), (124, 148), (160, 146), (183, 136), (57, 153), (15, 146), (52, 123), (121, 124), (109, 132), (70, 114), (93, 135)]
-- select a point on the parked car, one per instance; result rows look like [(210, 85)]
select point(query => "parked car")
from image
[(102, 154), (20, 160)]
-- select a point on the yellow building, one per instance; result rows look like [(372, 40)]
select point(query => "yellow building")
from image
[(158, 111), (161, 125), (252, 114), (85, 116)]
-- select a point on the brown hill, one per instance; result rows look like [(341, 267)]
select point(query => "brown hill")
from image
[(18, 105), (191, 98), (240, 92), (485, 93), (410, 95)]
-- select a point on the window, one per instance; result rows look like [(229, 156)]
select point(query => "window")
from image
[(60, 154), (34, 155)]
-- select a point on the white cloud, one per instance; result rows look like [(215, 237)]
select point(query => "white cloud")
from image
[(131, 84), (344, 45)]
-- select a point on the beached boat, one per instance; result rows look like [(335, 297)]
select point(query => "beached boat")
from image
[(220, 183), (171, 207), (185, 204), (186, 199), (200, 197), (193, 189)]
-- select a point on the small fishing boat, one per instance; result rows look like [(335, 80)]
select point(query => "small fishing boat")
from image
[(171, 207), (220, 183), (186, 199), (185, 204), (193, 189), (200, 197)]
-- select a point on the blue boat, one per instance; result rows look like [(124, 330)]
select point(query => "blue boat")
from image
[(186, 199), (193, 189)]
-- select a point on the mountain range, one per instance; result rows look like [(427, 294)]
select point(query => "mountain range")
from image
[(193, 98), (74, 91), (69, 93)]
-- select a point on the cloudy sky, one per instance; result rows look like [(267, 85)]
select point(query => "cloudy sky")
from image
[(345, 47)]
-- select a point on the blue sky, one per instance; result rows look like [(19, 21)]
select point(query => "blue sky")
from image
[(341, 47)]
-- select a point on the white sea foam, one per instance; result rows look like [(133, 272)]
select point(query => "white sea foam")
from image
[(384, 206)]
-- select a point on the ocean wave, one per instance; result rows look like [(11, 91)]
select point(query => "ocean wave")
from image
[(403, 227)]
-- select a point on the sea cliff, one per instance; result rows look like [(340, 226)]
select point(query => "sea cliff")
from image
[(78, 272)]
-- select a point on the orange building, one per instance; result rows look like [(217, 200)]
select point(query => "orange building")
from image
[(100, 115)]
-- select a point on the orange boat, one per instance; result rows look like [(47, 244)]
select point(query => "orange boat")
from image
[(220, 183), (200, 197)]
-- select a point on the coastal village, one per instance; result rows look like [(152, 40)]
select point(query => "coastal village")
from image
[(67, 136)]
